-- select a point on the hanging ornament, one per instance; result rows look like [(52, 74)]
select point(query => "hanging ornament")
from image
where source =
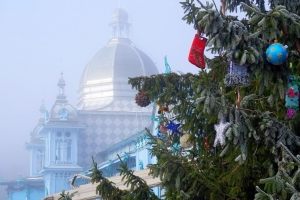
[(163, 129), (291, 92), (184, 141), (159, 136), (173, 127), (290, 113), (276, 53), (175, 148), (162, 107), (237, 75), (142, 99), (220, 136), (196, 55), (292, 97), (160, 142), (206, 144)]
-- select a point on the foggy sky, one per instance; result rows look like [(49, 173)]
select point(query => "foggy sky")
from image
[(39, 39)]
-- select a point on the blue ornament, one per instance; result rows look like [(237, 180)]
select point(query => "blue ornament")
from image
[(174, 127), (159, 136), (276, 54), (176, 147)]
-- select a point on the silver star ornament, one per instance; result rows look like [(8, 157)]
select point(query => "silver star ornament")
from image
[(220, 136)]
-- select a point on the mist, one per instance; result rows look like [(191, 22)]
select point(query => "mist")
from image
[(39, 39)]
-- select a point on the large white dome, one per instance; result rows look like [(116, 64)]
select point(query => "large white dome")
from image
[(105, 78)]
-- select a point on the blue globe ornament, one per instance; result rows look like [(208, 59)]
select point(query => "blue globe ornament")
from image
[(276, 54)]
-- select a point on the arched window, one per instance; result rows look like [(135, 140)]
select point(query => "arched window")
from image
[(63, 148)]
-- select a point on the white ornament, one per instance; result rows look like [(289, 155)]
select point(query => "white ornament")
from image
[(184, 141), (220, 136)]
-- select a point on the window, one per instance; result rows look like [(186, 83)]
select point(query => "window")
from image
[(63, 147), (39, 160), (63, 114)]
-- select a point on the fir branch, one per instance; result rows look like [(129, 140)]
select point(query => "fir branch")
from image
[(201, 4), (106, 189), (292, 188), (265, 194), (215, 5), (138, 187), (288, 152), (66, 196)]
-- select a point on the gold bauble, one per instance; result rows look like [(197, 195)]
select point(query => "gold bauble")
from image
[(184, 141), (160, 142)]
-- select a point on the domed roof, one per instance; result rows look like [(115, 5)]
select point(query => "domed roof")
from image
[(104, 80), (34, 135), (119, 15), (118, 60), (62, 111), (106, 75)]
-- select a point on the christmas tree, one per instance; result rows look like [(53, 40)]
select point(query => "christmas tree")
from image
[(231, 131)]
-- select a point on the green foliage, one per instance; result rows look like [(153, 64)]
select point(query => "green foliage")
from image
[(108, 191), (138, 187), (260, 139), (66, 196)]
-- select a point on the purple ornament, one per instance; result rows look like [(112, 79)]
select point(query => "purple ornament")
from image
[(290, 113)]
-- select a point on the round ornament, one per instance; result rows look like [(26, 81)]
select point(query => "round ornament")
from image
[(276, 54), (290, 113), (184, 141), (163, 129), (160, 142), (142, 99)]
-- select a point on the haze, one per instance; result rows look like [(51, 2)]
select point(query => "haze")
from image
[(39, 39)]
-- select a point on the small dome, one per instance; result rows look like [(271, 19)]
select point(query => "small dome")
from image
[(119, 15), (61, 82), (62, 110)]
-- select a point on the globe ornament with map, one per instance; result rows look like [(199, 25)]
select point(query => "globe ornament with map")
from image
[(276, 53)]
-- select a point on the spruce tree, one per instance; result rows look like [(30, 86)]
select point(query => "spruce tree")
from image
[(255, 153)]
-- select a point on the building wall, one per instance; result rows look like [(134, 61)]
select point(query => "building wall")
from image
[(26, 193), (106, 129), (36, 194), (37, 160)]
